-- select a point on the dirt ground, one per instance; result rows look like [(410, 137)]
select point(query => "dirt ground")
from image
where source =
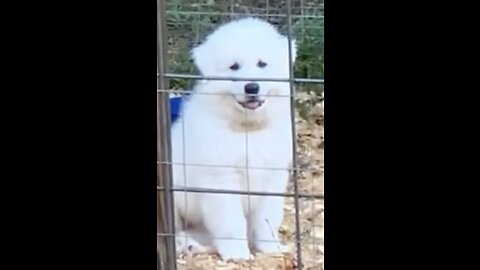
[(310, 181)]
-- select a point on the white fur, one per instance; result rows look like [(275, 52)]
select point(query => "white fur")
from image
[(216, 131)]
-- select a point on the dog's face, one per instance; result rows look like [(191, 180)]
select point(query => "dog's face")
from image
[(244, 50)]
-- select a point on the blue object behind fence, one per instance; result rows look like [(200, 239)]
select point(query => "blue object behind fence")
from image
[(175, 106)]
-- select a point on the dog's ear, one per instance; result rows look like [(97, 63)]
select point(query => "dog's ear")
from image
[(293, 48), (200, 59)]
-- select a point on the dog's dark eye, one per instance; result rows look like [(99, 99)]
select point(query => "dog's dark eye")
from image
[(235, 66), (261, 64)]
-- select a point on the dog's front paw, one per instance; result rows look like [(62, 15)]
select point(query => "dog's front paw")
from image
[(188, 246), (234, 251), (271, 247)]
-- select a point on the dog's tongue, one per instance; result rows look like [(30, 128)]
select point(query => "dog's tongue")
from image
[(252, 104)]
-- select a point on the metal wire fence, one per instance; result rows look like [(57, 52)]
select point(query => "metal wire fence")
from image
[(184, 23)]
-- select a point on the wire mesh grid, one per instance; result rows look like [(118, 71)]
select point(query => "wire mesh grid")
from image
[(182, 25)]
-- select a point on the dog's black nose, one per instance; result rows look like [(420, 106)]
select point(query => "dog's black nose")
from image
[(252, 88)]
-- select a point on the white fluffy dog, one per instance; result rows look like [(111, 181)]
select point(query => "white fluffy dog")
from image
[(235, 135)]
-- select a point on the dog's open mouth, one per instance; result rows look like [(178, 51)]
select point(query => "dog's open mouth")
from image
[(251, 103)]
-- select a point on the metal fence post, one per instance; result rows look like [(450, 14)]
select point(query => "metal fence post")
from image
[(165, 216)]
